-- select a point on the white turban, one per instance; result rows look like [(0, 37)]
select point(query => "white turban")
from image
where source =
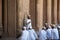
[(30, 27), (24, 28), (58, 26)]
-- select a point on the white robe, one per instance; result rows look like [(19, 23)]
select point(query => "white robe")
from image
[(29, 23), (49, 35), (25, 35), (32, 35), (55, 34), (42, 35)]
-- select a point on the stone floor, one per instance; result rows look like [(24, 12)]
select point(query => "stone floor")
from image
[(8, 38)]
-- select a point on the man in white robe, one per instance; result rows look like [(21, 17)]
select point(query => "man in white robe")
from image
[(55, 34), (29, 24), (32, 34), (58, 30), (49, 35), (42, 34), (25, 35)]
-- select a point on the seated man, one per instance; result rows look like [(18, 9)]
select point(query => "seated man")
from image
[(49, 35), (32, 34), (25, 34), (55, 34), (42, 34)]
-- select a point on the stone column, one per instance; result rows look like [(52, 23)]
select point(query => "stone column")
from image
[(23, 11), (20, 13), (5, 18), (25, 8), (45, 11), (59, 11), (49, 11), (40, 14), (11, 18), (55, 11), (1, 18), (32, 12)]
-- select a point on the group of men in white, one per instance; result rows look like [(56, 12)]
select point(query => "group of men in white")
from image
[(48, 32)]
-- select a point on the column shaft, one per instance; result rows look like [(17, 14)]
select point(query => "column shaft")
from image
[(23, 11), (45, 11), (20, 13), (55, 11), (32, 12), (59, 11), (40, 14), (5, 18), (11, 18), (1, 17), (49, 11)]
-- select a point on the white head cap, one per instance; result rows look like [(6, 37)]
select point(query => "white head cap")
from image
[(54, 25), (24, 28), (58, 26), (44, 27), (31, 27)]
